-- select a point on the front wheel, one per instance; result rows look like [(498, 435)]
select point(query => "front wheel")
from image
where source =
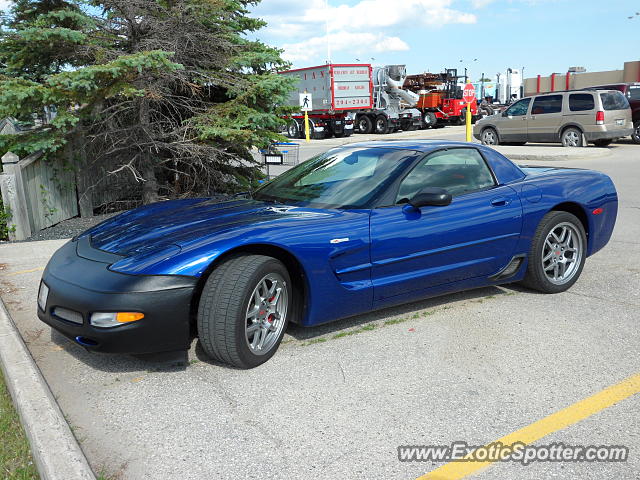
[(244, 310), (429, 119), (489, 137), (557, 254)]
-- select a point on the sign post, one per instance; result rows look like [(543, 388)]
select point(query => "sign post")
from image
[(306, 102), (469, 95)]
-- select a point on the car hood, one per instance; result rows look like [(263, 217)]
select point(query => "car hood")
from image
[(174, 224)]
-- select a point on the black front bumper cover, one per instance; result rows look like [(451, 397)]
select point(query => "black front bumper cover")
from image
[(79, 280)]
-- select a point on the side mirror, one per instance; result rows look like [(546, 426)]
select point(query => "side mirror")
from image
[(504, 114), (430, 196)]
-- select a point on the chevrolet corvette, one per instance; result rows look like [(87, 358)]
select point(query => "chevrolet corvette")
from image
[(358, 228)]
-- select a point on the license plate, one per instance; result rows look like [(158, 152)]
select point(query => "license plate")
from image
[(338, 123), (620, 122)]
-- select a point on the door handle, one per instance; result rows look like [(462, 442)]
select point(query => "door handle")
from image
[(500, 202), (533, 117)]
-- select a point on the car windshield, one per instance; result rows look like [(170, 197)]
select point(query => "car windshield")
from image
[(339, 178)]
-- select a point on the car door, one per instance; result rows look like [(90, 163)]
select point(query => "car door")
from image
[(512, 125), (544, 121), (474, 236)]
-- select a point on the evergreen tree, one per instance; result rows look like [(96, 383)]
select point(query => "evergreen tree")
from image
[(170, 91)]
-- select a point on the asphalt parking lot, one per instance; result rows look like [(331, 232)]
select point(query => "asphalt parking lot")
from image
[(337, 400)]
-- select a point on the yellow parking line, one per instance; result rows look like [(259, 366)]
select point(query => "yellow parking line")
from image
[(554, 422), (20, 272)]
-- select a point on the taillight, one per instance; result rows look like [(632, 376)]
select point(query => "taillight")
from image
[(600, 118)]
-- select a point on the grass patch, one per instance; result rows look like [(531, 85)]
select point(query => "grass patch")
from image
[(16, 462), (366, 328), (314, 341), (395, 321)]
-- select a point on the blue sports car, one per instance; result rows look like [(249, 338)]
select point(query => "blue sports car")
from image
[(355, 229)]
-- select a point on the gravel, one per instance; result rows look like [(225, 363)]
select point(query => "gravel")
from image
[(76, 225), (68, 228)]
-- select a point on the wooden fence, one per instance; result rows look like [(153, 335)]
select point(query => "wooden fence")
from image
[(36, 193)]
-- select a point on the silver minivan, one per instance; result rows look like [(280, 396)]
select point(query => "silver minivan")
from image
[(573, 118)]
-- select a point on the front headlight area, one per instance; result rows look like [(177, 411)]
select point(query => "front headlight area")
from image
[(43, 294), (114, 319)]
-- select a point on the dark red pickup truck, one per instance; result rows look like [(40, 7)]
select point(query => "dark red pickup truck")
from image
[(632, 92)]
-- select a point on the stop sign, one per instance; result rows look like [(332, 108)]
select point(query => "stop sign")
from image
[(469, 93)]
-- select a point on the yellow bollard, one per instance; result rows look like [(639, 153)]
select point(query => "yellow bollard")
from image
[(468, 122), (306, 126)]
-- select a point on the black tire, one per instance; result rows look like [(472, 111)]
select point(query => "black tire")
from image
[(364, 123), (635, 136), (222, 311), (489, 136), (382, 125), (429, 119), (536, 278), (603, 143), (293, 129), (572, 137)]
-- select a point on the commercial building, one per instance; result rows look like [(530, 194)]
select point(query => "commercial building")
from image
[(575, 80)]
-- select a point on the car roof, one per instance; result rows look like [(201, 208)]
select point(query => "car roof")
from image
[(415, 145)]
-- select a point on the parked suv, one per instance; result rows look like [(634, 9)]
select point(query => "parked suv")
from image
[(632, 92), (573, 117)]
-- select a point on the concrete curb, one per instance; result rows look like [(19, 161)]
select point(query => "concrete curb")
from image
[(53, 446)]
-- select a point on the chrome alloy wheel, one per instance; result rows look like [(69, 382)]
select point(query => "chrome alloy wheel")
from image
[(562, 253), (266, 313), (571, 138), (489, 137)]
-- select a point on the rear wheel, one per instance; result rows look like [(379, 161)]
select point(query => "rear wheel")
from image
[(572, 137), (557, 253), (602, 143), (293, 129), (382, 125), (635, 136), (489, 137), (365, 125), (244, 310)]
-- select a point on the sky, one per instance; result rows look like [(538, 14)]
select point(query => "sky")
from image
[(485, 36)]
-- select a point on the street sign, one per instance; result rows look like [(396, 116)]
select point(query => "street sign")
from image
[(306, 102), (469, 93)]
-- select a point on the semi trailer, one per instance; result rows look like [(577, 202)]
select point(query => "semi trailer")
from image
[(348, 97)]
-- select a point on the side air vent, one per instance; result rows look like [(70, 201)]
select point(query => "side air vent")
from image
[(510, 270)]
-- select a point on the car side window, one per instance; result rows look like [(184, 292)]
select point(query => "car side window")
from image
[(547, 104), (580, 102), (519, 108), (458, 171)]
